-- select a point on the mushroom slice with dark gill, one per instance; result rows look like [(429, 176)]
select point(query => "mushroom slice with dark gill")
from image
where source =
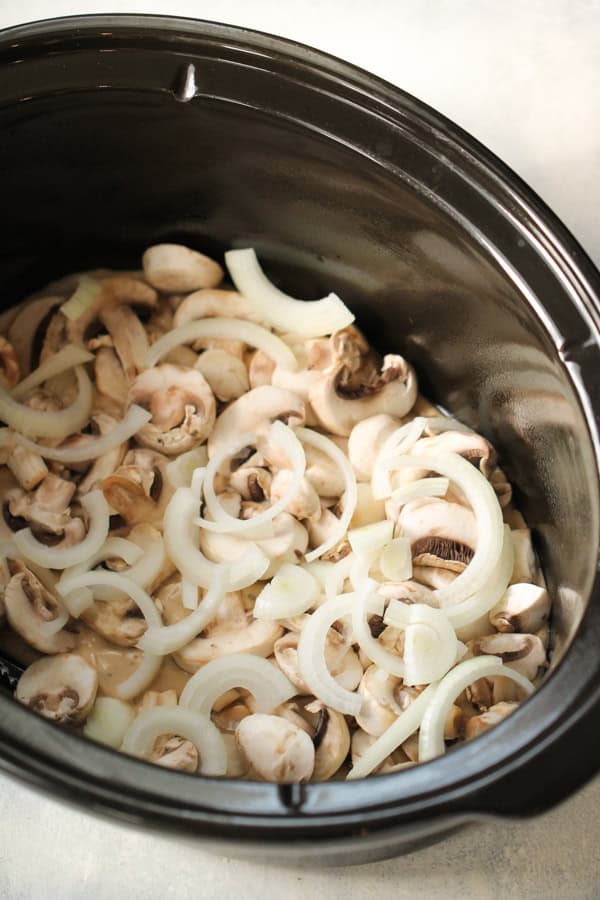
[(61, 688)]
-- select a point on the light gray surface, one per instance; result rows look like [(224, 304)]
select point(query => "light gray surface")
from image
[(523, 77)]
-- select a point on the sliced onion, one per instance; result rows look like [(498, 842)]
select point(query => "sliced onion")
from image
[(112, 548), (371, 538), (400, 441), (311, 653), (306, 319), (180, 534), (334, 583), (67, 358), (108, 721), (395, 560), (481, 497), (368, 600), (327, 446), (84, 296), (135, 419), (48, 423), (230, 329), (181, 469), (431, 735), (400, 730), (150, 664), (478, 604), (422, 487), (361, 567), (430, 644), (189, 595), (150, 724), (291, 592), (283, 437), (164, 639), (53, 557), (321, 570), (268, 685)]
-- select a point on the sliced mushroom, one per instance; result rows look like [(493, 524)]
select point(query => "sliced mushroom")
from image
[(174, 268), (340, 403), (139, 490), (251, 483), (323, 473), (253, 413), (46, 511), (365, 441), (526, 567), (128, 335), (327, 729), (305, 505), (342, 661), (524, 608), (276, 749), (182, 406), (523, 652), (442, 534), (28, 330), (9, 365), (30, 609), (106, 464), (174, 752), (117, 620), (361, 741), (232, 631), (62, 688), (367, 509), (477, 725), (152, 699), (226, 374), (313, 357), (207, 303), (380, 707), (260, 369), (27, 466), (110, 383)]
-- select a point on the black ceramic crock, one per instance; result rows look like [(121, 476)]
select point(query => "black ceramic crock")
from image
[(122, 131)]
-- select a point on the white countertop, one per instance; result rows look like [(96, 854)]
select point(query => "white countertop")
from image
[(524, 78)]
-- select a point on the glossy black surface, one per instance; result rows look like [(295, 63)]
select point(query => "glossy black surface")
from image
[(343, 183)]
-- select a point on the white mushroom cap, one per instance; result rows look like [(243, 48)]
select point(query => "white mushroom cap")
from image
[(476, 725), (174, 752), (182, 406), (30, 609), (380, 708), (365, 441), (305, 505), (526, 567), (523, 652), (524, 608), (438, 530), (61, 688), (174, 268), (276, 749)]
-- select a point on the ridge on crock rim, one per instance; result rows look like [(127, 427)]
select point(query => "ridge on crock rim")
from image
[(438, 791)]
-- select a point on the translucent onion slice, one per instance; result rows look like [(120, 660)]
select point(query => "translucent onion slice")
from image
[(430, 643), (327, 446), (395, 560), (108, 721), (55, 558), (84, 296), (400, 441), (181, 469), (266, 683), (367, 600), (150, 664), (431, 735), (150, 724), (180, 534), (321, 569), (67, 358), (311, 653), (283, 437), (307, 319), (189, 595), (334, 582), (361, 567), (230, 329), (482, 499), (134, 420), (422, 487), (371, 538), (405, 725), (164, 639), (478, 604), (291, 592), (48, 423), (112, 548)]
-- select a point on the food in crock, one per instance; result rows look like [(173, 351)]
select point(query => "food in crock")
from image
[(238, 542)]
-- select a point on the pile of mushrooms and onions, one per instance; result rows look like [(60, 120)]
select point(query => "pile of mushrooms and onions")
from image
[(237, 542)]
